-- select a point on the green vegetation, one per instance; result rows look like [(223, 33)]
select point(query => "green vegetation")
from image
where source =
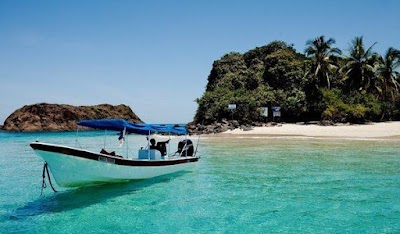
[(321, 84)]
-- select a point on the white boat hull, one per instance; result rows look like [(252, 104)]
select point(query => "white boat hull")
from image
[(85, 167)]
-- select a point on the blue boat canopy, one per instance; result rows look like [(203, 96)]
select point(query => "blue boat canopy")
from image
[(142, 129)]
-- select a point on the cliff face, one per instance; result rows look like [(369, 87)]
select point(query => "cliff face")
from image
[(55, 117)]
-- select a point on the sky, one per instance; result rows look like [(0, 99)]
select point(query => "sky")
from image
[(155, 56)]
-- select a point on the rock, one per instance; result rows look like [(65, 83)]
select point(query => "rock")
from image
[(191, 126), (218, 127), (55, 117), (210, 128), (224, 128), (258, 124), (201, 128), (326, 123), (246, 127), (311, 122), (235, 123)]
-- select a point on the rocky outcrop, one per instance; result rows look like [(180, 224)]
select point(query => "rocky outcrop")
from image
[(55, 117), (218, 127), (194, 128)]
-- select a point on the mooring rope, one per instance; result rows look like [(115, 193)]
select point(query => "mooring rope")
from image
[(44, 185)]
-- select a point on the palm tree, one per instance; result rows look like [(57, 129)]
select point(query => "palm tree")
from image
[(360, 69), (322, 54), (388, 74)]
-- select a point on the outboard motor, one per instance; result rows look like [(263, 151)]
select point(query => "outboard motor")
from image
[(185, 148)]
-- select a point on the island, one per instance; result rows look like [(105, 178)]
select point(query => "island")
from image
[(321, 85), (62, 117)]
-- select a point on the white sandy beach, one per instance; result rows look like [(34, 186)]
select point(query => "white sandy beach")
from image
[(371, 130)]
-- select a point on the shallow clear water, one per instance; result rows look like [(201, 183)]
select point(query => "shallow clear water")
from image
[(240, 186)]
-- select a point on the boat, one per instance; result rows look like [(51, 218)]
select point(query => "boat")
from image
[(76, 167)]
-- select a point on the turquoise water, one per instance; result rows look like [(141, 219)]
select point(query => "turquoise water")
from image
[(240, 186)]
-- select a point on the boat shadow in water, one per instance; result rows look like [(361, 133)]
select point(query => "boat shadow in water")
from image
[(85, 196)]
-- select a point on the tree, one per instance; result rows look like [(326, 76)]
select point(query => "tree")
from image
[(387, 83), (360, 69), (323, 63), (388, 74), (283, 70)]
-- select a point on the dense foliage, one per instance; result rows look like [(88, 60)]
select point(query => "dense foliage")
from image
[(321, 84)]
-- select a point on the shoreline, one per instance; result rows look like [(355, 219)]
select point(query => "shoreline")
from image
[(389, 131), (377, 131)]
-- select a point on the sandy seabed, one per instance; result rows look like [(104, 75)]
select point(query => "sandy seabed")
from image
[(385, 130)]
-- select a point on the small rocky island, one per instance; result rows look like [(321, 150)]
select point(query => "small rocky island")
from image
[(56, 117)]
